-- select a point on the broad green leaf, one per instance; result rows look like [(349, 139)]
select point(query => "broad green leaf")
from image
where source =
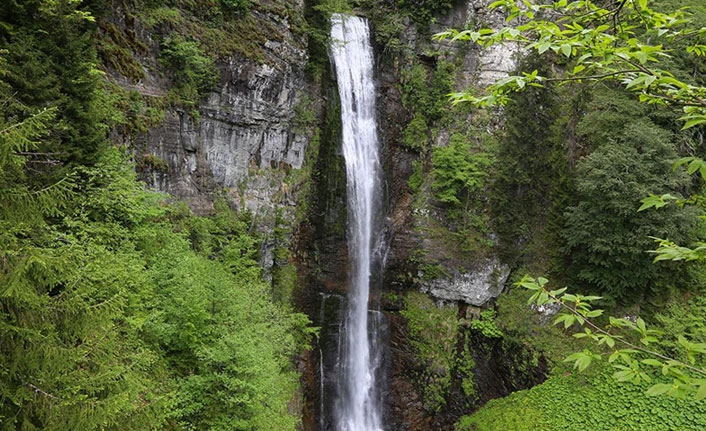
[(659, 389)]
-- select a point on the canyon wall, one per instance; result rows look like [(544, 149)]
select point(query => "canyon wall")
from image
[(266, 139)]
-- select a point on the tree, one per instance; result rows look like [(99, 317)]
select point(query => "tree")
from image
[(605, 236), (623, 41), (630, 44), (50, 61)]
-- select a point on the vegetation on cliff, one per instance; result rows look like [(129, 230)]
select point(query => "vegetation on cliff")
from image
[(118, 308), (619, 160)]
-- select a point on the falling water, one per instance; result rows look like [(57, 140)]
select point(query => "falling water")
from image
[(358, 405)]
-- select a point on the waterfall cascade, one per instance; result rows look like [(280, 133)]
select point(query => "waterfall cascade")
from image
[(358, 407)]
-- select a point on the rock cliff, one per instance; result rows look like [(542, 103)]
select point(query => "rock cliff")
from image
[(266, 138)]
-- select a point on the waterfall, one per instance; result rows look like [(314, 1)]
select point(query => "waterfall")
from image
[(358, 404)]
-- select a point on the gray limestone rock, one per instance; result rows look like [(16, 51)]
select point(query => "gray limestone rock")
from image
[(484, 283)]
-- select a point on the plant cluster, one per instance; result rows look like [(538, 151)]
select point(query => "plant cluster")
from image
[(432, 334), (118, 309)]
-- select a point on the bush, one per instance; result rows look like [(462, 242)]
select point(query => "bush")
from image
[(193, 72), (415, 134), (236, 6), (423, 11), (459, 174)]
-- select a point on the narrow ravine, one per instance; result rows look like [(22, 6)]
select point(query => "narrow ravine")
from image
[(358, 407)]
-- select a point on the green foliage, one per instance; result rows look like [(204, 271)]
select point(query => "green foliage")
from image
[(465, 367), (128, 312), (524, 326), (526, 206), (424, 96), (211, 320), (686, 317), (605, 234), (622, 152), (432, 334), (596, 403), (415, 133), (50, 61), (116, 49), (329, 7), (459, 174), (416, 179), (425, 93), (236, 6), (71, 354), (194, 73), (423, 11), (486, 325), (628, 345), (119, 310), (130, 112), (631, 51), (23, 198)]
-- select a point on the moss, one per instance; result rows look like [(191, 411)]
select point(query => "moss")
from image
[(416, 179), (465, 368), (152, 163), (328, 200), (526, 327), (304, 114), (116, 48), (284, 276), (132, 112), (486, 325), (432, 335), (425, 268)]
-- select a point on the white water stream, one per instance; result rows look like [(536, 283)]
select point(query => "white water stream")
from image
[(358, 406)]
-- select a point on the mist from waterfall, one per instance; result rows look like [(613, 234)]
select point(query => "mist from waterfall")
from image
[(358, 407)]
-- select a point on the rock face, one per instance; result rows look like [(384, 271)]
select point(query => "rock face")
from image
[(247, 142), (480, 66), (475, 288), (245, 133), (424, 254), (473, 279)]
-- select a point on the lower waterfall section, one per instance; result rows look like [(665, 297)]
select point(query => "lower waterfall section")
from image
[(358, 404)]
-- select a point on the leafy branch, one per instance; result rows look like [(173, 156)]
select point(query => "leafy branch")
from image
[(623, 41), (634, 361)]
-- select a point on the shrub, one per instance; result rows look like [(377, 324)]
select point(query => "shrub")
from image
[(459, 174), (193, 72)]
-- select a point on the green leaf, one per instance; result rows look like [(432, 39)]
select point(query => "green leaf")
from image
[(594, 313), (658, 389), (652, 362), (641, 325), (693, 122), (701, 392)]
